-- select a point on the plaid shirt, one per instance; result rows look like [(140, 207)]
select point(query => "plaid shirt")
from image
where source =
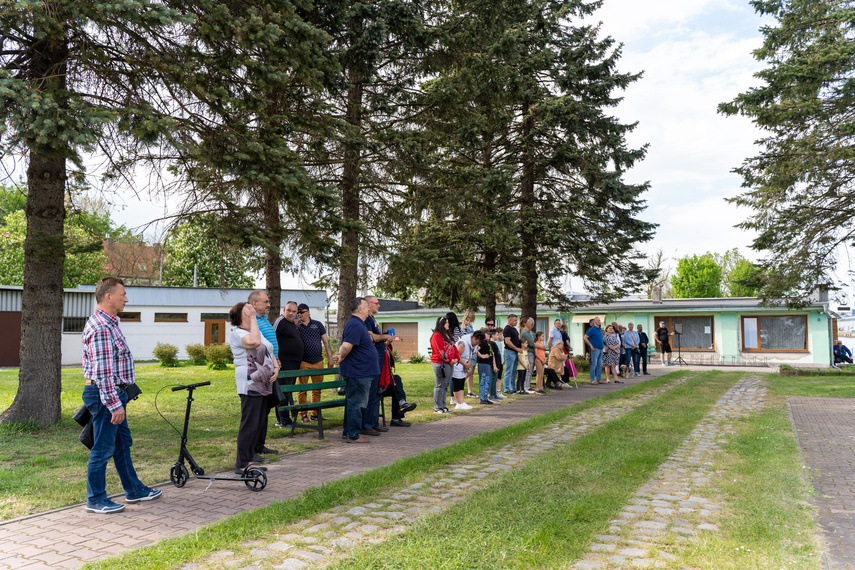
[(107, 360)]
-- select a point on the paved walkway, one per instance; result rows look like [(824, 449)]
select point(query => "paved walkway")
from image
[(825, 428), (70, 537)]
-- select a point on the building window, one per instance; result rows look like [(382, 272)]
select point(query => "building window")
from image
[(697, 332), (215, 317), (778, 332), (129, 317), (170, 317), (73, 324)]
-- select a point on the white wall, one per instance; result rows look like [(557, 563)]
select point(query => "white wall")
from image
[(144, 335)]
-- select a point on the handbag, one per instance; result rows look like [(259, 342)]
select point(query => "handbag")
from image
[(279, 397), (84, 417)]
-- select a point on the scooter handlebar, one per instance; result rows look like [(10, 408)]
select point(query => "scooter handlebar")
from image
[(187, 387)]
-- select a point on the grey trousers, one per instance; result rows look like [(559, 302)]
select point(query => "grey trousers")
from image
[(442, 374), (530, 370)]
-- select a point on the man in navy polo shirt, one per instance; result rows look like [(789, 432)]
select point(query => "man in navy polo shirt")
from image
[(371, 417), (357, 360)]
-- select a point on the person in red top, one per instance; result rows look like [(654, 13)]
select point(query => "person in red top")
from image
[(442, 357)]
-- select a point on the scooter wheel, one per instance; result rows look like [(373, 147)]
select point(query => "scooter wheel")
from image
[(255, 479), (179, 475)]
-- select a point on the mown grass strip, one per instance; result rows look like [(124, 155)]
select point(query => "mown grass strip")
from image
[(769, 523), (265, 522), (545, 513)]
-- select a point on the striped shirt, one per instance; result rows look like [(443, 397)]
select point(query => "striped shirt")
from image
[(107, 360), (268, 332)]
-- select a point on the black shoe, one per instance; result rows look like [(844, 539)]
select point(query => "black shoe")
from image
[(487, 402), (380, 429), (557, 387), (400, 423), (257, 458), (408, 407), (268, 450), (369, 432)]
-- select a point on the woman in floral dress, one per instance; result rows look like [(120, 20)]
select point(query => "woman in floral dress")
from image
[(611, 353)]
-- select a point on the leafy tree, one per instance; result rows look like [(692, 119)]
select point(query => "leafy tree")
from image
[(697, 277), (12, 199), (195, 246), (739, 276), (800, 184)]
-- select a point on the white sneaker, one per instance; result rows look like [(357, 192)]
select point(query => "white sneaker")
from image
[(530, 392), (500, 396), (565, 385), (463, 406)]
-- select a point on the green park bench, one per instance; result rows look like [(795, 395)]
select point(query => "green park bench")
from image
[(294, 389), (318, 407)]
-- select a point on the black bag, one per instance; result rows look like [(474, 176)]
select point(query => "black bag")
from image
[(84, 417), (279, 397)]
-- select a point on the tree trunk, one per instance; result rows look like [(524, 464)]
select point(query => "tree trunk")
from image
[(273, 253), (349, 263), (490, 295), (39, 381), (527, 216)]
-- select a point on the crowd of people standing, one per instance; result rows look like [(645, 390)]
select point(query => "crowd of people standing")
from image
[(459, 354)]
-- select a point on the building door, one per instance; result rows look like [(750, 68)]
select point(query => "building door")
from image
[(215, 332), (409, 335), (10, 348)]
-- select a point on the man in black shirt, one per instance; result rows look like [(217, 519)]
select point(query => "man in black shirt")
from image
[(663, 338), (512, 353), (290, 353), (643, 343)]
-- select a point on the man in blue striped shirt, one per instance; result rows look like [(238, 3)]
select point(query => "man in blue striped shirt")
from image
[(261, 303), (108, 367)]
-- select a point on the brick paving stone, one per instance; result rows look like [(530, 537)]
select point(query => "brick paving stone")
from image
[(825, 430), (87, 537)]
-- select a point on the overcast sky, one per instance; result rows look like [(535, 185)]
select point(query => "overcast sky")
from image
[(694, 55)]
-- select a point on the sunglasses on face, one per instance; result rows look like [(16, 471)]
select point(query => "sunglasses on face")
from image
[(301, 312)]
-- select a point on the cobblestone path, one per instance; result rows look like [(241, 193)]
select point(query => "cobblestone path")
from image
[(681, 501), (317, 541)]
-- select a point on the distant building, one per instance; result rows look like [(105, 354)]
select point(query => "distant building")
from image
[(135, 263), (173, 315), (718, 330)]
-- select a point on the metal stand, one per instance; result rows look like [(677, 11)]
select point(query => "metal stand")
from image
[(679, 360)]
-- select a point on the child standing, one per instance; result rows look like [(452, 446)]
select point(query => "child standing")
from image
[(522, 368)]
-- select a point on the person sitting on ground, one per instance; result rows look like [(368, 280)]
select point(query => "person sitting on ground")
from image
[(842, 353), (555, 366), (392, 386)]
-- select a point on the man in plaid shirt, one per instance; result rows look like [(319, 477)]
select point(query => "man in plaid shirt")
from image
[(108, 367)]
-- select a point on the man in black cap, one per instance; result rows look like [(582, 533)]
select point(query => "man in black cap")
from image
[(314, 336)]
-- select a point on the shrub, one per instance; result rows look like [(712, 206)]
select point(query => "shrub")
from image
[(581, 364), (416, 358), (196, 352), (218, 356), (395, 356), (166, 354)]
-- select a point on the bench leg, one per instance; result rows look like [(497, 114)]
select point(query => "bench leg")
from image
[(383, 410), (320, 424)]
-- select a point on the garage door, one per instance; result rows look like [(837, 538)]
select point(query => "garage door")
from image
[(409, 335), (10, 348)]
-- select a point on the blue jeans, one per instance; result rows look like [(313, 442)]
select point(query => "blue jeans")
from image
[(596, 364), (634, 357), (355, 402), (510, 370), (371, 415), (485, 371), (494, 376), (110, 441)]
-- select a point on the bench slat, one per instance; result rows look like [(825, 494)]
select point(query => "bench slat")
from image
[(302, 373), (315, 386), (313, 405)]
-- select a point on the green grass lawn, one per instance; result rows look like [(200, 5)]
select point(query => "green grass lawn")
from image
[(45, 468)]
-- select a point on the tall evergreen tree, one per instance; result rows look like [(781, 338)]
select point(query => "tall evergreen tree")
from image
[(374, 41), (799, 186), (74, 76), (532, 85)]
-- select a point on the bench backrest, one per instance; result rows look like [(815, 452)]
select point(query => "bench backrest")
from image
[(302, 373)]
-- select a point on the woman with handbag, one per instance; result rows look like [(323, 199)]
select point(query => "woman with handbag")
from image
[(255, 372), (442, 358)]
